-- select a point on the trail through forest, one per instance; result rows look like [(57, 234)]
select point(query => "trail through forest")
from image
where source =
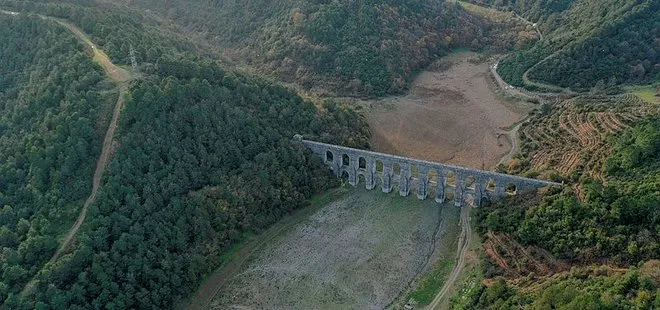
[(122, 78)]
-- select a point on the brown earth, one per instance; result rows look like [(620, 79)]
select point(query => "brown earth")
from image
[(451, 115)]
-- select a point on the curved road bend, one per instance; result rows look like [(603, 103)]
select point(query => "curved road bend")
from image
[(513, 138)]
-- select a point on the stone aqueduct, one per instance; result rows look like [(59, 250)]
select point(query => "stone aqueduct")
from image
[(423, 175)]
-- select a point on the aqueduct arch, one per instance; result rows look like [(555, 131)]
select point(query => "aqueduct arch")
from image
[(444, 179)]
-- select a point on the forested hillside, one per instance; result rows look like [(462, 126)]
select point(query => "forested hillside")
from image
[(203, 156), (588, 43), (53, 114), (615, 223), (361, 47), (581, 288), (112, 29)]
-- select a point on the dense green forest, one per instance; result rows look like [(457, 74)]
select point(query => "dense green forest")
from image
[(582, 288), (589, 43), (112, 29), (53, 114), (203, 156), (364, 47)]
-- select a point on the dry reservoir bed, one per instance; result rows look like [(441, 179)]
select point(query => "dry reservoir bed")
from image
[(451, 115), (358, 252)]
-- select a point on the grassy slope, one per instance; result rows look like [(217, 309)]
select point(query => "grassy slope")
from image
[(648, 93)]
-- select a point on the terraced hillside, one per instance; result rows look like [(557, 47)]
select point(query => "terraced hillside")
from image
[(571, 138)]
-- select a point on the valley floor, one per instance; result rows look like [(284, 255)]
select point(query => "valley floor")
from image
[(358, 252), (452, 114)]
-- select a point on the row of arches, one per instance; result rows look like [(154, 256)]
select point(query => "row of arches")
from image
[(432, 192), (416, 175), (431, 182)]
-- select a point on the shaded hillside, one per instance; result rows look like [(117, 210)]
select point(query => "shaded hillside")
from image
[(361, 47), (588, 43)]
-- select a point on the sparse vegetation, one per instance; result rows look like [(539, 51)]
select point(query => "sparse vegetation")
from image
[(359, 251), (433, 280)]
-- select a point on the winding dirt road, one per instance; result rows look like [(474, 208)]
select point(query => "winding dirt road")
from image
[(513, 138), (118, 75), (463, 246), (121, 77)]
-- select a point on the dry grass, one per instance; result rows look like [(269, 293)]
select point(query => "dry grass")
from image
[(516, 260)]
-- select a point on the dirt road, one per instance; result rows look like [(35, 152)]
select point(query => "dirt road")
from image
[(98, 173), (463, 246), (122, 77), (513, 139), (553, 88)]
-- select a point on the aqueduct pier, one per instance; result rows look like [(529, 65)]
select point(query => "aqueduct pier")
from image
[(445, 180)]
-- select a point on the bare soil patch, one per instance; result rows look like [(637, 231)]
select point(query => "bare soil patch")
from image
[(451, 115), (359, 252)]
